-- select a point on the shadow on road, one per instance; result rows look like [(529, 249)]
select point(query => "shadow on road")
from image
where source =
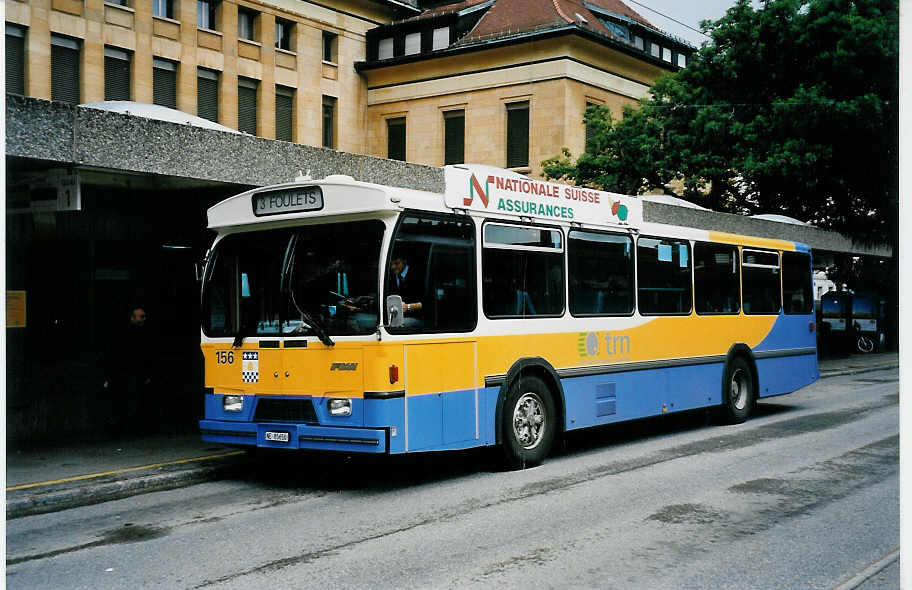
[(325, 471)]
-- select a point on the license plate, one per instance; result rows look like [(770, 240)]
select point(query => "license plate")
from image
[(277, 436)]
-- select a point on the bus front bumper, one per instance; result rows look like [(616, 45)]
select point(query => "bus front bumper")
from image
[(284, 435)]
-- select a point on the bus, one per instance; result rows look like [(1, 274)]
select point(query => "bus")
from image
[(534, 309)]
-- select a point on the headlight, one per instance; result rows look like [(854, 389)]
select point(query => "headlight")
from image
[(340, 407), (233, 403)]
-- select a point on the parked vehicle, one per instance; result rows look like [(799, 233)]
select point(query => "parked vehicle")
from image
[(851, 321)]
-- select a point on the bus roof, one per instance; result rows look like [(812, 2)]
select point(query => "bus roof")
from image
[(476, 188)]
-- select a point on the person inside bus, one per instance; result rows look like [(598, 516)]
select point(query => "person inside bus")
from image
[(405, 283)]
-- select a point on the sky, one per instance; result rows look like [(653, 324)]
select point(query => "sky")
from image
[(689, 13)]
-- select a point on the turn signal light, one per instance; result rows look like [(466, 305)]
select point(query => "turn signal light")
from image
[(811, 326), (394, 374)]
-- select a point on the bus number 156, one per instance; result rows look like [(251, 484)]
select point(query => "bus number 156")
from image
[(224, 357)]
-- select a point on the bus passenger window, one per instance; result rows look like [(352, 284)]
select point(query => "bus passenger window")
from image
[(663, 271), (432, 267), (760, 282), (523, 271), (796, 283), (600, 272), (716, 280)]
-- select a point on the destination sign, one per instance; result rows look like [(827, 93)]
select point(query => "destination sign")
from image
[(292, 200)]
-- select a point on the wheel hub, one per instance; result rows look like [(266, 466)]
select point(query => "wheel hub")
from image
[(529, 420)]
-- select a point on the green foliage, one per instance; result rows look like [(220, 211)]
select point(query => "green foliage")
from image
[(791, 108)]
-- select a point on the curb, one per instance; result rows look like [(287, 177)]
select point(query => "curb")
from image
[(72, 497), (857, 371)]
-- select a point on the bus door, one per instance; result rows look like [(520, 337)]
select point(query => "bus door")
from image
[(432, 263), (441, 395)]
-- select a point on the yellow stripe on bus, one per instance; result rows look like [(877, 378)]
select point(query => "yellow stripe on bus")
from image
[(770, 243)]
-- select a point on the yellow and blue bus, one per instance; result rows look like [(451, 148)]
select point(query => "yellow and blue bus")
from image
[(340, 315)]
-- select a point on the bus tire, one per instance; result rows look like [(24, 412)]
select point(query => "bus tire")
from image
[(529, 421), (738, 395)]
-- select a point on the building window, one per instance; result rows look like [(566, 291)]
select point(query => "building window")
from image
[(207, 87), (283, 31), (716, 279), (666, 54), (205, 14), (385, 50), (247, 105), (518, 134), (329, 122), (246, 24), (284, 112), (413, 44), (591, 109), (454, 137), (329, 47), (601, 273), (655, 50), (638, 43), (164, 83), (395, 138), (619, 31), (663, 275), (682, 60), (64, 69), (522, 271), (15, 59), (117, 74), (441, 38), (163, 8), (117, 2), (760, 285)]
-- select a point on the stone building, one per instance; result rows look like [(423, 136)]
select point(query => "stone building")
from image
[(500, 82)]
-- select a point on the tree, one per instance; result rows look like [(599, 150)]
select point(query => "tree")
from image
[(790, 108)]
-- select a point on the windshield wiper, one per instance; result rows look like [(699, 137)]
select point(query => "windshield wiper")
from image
[(317, 327), (240, 335)]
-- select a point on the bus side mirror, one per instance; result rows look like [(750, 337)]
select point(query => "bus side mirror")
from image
[(394, 311), (199, 268)]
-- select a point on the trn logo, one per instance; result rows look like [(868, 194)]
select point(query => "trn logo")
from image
[(343, 367), (483, 193), (588, 344)]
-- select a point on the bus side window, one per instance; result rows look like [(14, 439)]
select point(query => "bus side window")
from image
[(760, 282), (440, 251), (796, 283), (716, 278), (523, 271), (663, 271), (600, 273)]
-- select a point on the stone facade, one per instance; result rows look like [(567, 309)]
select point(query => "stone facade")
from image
[(97, 24)]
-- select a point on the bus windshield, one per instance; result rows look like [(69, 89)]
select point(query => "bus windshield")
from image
[(295, 282)]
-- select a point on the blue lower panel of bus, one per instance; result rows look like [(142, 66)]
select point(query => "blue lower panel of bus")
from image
[(786, 374), (283, 435), (615, 397)]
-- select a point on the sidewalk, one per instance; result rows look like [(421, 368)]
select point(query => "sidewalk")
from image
[(56, 477)]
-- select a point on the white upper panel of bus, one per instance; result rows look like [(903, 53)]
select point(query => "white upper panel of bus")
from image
[(484, 189)]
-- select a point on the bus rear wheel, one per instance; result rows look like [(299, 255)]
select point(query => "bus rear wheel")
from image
[(528, 423), (738, 395)]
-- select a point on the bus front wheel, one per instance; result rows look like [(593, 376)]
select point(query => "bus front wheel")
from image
[(528, 422), (738, 395)]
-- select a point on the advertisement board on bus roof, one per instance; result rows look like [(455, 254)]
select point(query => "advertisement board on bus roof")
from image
[(498, 191)]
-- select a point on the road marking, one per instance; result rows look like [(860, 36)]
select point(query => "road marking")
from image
[(117, 471), (870, 571)]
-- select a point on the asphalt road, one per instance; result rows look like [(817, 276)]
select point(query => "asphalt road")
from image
[(805, 495)]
